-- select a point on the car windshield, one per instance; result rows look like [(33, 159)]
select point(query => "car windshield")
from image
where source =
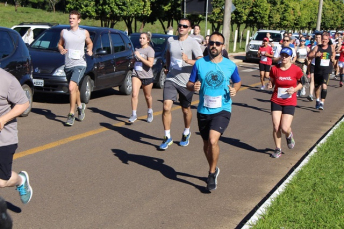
[(49, 40), (158, 43), (21, 30), (259, 36)]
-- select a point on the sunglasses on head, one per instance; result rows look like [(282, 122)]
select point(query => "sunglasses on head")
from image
[(184, 26), (217, 43)]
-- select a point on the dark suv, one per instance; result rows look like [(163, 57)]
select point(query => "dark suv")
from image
[(111, 64), (158, 43), (15, 59)]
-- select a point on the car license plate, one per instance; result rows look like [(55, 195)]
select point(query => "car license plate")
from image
[(38, 83)]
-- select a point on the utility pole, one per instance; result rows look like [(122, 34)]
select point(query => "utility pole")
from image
[(227, 22), (319, 14)]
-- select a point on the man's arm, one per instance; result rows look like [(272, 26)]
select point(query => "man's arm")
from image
[(60, 45), (190, 61), (89, 44), (17, 110), (311, 54)]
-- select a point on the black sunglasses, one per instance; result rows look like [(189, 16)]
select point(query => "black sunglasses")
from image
[(217, 43), (184, 26), (286, 40), (303, 40)]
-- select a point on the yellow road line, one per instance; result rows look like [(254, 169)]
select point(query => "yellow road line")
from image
[(94, 132)]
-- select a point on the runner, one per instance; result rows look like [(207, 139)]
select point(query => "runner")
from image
[(13, 102), (286, 43), (143, 76), (179, 62), (338, 47), (265, 53), (286, 78), (324, 55), (341, 65), (72, 42), (211, 76), (196, 34), (301, 61), (311, 67)]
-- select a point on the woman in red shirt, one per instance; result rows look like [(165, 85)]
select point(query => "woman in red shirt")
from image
[(286, 77), (265, 53)]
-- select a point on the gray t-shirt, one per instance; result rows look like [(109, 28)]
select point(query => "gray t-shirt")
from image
[(180, 71), (75, 44), (11, 93), (140, 69), (198, 38)]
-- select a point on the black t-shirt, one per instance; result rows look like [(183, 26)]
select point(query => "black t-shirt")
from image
[(323, 65)]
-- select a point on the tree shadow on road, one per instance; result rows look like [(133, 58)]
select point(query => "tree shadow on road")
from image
[(252, 107), (132, 134), (107, 114), (237, 143), (158, 165), (48, 114)]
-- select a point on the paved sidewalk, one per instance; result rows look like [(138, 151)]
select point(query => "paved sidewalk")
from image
[(237, 58)]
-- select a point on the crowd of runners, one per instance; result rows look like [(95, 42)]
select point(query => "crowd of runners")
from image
[(193, 64)]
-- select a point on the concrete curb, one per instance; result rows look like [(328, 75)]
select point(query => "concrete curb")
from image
[(262, 209)]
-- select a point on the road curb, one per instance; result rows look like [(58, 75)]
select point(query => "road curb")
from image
[(252, 218)]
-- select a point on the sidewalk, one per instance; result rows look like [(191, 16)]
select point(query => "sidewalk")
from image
[(238, 57)]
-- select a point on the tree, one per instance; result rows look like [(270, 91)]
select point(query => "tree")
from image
[(52, 4), (259, 14), (216, 16)]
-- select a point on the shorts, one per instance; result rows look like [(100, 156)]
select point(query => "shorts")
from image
[(218, 122), (264, 67), (311, 68), (337, 58), (171, 90), (320, 79), (285, 109), (145, 81), (340, 64), (75, 74), (6, 160)]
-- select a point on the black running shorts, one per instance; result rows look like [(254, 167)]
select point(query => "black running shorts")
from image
[(264, 67), (285, 109), (6, 159), (218, 122)]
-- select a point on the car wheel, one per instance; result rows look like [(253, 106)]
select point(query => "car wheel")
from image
[(86, 89), (127, 87), (28, 91), (161, 80)]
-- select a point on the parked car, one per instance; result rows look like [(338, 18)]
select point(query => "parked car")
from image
[(158, 43), (111, 64), (15, 59), (36, 27), (256, 41)]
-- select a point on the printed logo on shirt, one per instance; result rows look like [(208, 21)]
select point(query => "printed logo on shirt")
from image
[(214, 79), (283, 78)]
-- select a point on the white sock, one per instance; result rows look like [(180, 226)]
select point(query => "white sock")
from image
[(318, 99), (134, 112), (80, 107), (291, 133), (150, 110), (186, 131), (168, 133), (23, 180)]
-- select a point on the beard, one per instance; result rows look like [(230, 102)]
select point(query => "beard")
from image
[(214, 52)]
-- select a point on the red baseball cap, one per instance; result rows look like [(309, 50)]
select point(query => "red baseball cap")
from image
[(266, 39)]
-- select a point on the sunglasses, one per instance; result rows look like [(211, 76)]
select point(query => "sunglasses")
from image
[(303, 40), (285, 40), (217, 43), (184, 26)]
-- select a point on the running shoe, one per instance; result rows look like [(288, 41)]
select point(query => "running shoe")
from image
[(132, 118), (185, 140), (25, 190), (321, 106), (70, 119), (212, 179), (310, 98), (149, 117), (303, 91), (317, 105), (277, 153), (340, 84), (291, 141), (262, 87), (81, 112), (165, 143)]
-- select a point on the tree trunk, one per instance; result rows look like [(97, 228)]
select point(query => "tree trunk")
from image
[(135, 24), (162, 24), (142, 26)]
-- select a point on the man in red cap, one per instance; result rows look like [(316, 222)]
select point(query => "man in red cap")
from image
[(265, 53)]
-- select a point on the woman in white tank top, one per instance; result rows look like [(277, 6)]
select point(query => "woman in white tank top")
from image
[(301, 61)]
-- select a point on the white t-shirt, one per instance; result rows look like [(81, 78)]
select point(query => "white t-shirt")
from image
[(278, 51)]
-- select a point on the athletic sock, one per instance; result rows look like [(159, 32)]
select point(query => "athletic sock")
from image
[(150, 110), (23, 180), (186, 131), (168, 133), (134, 112)]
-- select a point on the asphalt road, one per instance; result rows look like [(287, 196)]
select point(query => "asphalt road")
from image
[(102, 173)]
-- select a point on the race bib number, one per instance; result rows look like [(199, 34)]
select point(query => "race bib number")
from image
[(212, 101), (283, 94), (324, 62), (264, 58), (176, 63), (74, 54), (138, 66)]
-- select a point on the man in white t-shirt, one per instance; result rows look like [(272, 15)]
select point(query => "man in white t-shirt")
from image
[(286, 43)]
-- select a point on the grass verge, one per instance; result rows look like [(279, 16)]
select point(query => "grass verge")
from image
[(315, 196)]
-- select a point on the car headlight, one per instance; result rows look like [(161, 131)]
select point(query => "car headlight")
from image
[(251, 46), (59, 71)]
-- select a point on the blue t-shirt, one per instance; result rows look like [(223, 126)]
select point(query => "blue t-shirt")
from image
[(214, 79)]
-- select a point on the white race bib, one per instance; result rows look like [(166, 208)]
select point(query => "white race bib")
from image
[(74, 54), (176, 63), (264, 58), (325, 62), (138, 66), (282, 93), (212, 101)]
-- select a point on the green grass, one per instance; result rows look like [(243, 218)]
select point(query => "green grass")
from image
[(315, 196)]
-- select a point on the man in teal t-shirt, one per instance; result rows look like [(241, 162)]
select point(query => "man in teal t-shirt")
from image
[(211, 76)]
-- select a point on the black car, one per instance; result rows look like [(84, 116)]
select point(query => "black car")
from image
[(111, 64), (15, 59), (158, 43)]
